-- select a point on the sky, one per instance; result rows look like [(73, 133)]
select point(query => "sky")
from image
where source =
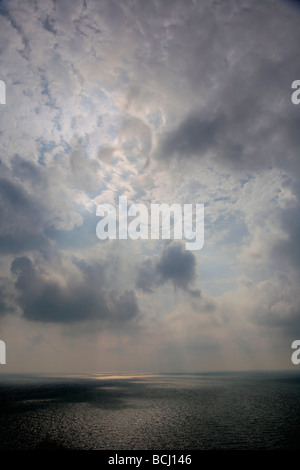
[(161, 101)]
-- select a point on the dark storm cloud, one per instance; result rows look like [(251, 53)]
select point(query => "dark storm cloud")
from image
[(194, 136), (46, 300), (177, 265), (240, 111), (236, 140), (292, 3), (231, 141), (174, 264)]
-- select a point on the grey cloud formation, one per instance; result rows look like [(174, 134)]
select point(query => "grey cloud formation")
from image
[(241, 114), (5, 303), (177, 265), (287, 250), (193, 137), (174, 264), (235, 141), (277, 308), (164, 101), (246, 138), (146, 279), (20, 219), (32, 207), (47, 300)]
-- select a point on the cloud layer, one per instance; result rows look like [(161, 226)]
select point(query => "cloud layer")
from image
[(167, 101)]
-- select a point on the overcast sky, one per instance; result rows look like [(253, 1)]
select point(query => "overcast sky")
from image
[(162, 101)]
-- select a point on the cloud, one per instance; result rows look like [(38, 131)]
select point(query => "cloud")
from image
[(273, 305), (47, 299), (238, 139), (20, 217), (165, 101), (240, 114), (194, 136), (146, 278), (286, 250), (84, 170), (175, 265), (5, 301)]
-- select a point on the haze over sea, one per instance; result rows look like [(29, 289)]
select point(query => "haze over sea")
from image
[(227, 410)]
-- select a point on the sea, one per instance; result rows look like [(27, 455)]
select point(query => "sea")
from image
[(173, 411)]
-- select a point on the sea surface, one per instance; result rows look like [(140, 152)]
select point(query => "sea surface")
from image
[(201, 411)]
